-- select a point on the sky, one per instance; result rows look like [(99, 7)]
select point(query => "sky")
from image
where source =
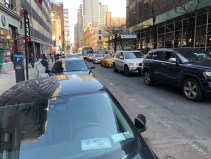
[(117, 7)]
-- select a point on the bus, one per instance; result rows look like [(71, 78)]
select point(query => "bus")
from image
[(85, 50)]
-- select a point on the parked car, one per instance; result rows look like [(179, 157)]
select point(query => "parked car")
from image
[(68, 116), (97, 58), (107, 60), (72, 56), (90, 57), (186, 68), (128, 61), (71, 66)]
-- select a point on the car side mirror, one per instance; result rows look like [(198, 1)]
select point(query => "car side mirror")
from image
[(121, 57), (92, 67), (173, 60), (140, 123)]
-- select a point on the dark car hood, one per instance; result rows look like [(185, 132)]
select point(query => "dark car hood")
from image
[(201, 64), (75, 72)]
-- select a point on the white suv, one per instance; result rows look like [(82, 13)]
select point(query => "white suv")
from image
[(128, 61)]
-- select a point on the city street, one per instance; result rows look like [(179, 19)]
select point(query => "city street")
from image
[(176, 128)]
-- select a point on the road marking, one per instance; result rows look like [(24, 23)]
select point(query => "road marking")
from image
[(111, 84)]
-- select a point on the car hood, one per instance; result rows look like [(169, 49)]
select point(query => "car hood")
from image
[(138, 60), (201, 64), (77, 72)]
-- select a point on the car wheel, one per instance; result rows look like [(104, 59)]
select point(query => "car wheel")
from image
[(114, 68), (126, 70), (147, 78), (191, 89)]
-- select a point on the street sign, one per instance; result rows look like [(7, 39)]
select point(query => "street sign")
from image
[(128, 35), (28, 38)]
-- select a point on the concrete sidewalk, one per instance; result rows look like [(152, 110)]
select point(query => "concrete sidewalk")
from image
[(8, 80)]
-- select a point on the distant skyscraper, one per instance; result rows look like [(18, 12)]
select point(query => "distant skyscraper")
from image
[(103, 9), (66, 29), (90, 12)]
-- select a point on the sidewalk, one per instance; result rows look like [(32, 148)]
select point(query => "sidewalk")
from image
[(7, 80)]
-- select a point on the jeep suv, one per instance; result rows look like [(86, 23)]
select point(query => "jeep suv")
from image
[(186, 68), (128, 61)]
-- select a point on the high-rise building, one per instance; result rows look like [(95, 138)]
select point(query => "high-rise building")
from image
[(57, 20), (41, 30), (66, 29), (103, 9), (90, 12), (114, 21)]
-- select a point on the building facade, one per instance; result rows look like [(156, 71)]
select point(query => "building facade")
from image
[(90, 12), (170, 24), (40, 27), (66, 29), (58, 33), (10, 33), (103, 9)]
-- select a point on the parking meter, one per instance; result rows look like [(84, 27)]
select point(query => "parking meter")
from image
[(19, 68)]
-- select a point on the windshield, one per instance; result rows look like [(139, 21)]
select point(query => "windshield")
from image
[(133, 55), (108, 56), (68, 128), (194, 55), (91, 55), (87, 51), (98, 55), (75, 65)]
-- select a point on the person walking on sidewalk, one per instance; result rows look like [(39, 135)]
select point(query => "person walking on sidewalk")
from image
[(32, 60), (52, 56)]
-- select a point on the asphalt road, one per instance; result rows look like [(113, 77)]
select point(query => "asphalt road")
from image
[(176, 128)]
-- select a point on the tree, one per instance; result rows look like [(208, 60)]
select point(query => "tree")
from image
[(189, 9), (116, 31)]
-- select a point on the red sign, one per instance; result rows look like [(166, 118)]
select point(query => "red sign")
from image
[(39, 2), (21, 12)]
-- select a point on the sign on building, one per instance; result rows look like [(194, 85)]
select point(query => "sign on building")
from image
[(128, 35)]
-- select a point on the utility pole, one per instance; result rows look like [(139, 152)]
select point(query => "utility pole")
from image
[(27, 38)]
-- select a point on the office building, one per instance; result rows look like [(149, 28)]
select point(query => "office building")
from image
[(40, 27), (170, 25), (90, 12)]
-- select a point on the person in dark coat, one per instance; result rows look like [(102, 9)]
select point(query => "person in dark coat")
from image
[(32, 60), (45, 63)]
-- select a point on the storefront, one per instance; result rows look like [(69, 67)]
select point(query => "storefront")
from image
[(10, 39)]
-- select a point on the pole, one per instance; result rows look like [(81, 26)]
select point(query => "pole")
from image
[(26, 42)]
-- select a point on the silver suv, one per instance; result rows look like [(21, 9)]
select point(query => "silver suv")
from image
[(128, 61)]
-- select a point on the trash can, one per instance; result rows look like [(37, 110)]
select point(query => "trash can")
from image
[(19, 67)]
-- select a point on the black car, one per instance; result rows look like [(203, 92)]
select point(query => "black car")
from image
[(186, 68), (70, 66), (68, 117)]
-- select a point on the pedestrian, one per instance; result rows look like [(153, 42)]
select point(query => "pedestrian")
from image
[(32, 60), (55, 57), (45, 63), (44, 57), (52, 56)]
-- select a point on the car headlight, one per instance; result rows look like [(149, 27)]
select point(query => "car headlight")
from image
[(207, 74)]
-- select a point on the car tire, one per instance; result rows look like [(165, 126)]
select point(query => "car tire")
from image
[(126, 71), (114, 68), (147, 76), (192, 89)]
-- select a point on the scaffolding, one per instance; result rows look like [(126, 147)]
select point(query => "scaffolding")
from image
[(173, 33)]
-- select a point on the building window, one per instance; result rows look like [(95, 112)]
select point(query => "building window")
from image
[(99, 31), (8, 4), (100, 38), (5, 154), (7, 137)]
